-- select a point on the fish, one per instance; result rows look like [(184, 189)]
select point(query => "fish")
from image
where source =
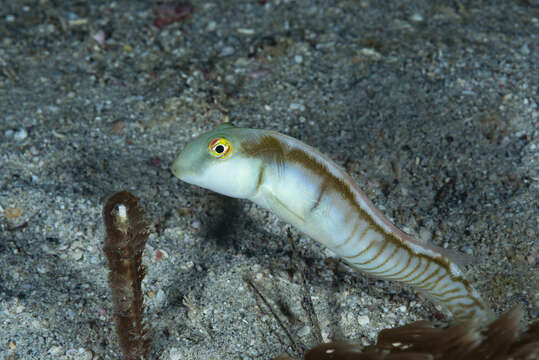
[(306, 189)]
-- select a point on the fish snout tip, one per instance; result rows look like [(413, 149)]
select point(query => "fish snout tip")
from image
[(176, 168)]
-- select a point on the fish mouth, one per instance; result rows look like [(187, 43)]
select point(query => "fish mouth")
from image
[(177, 168)]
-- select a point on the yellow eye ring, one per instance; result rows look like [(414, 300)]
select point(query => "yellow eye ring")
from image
[(220, 148)]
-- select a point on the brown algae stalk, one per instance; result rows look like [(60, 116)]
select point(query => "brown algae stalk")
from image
[(125, 239)]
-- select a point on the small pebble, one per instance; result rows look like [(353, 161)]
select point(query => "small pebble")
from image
[(417, 17), (370, 53), (77, 22), (117, 127), (425, 234), (212, 25), (187, 266), (10, 18), (297, 107), (36, 324), (227, 51), (99, 37), (94, 259), (175, 354), (298, 59), (79, 354), (160, 298), (304, 331), (363, 320), (258, 73), (246, 31), (76, 254), (56, 350), (83, 354), (42, 269), (21, 134), (241, 62)]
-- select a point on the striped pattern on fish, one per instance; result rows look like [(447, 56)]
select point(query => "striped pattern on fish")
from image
[(308, 190)]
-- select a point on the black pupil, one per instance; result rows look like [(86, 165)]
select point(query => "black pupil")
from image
[(219, 149)]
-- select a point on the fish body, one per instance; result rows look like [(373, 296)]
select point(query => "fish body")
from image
[(308, 190)]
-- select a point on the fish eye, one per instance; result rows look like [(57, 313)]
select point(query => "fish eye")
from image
[(220, 148)]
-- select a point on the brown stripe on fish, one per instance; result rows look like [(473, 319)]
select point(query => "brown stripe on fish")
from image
[(323, 189), (448, 291), (434, 273), (418, 276), (428, 286), (362, 251), (435, 283), (456, 298), (352, 233), (260, 179), (380, 251), (403, 277), (267, 147), (408, 261), (395, 251)]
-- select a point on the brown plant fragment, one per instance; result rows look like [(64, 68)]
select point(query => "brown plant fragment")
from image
[(502, 339), (125, 239), (13, 213), (168, 13)]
